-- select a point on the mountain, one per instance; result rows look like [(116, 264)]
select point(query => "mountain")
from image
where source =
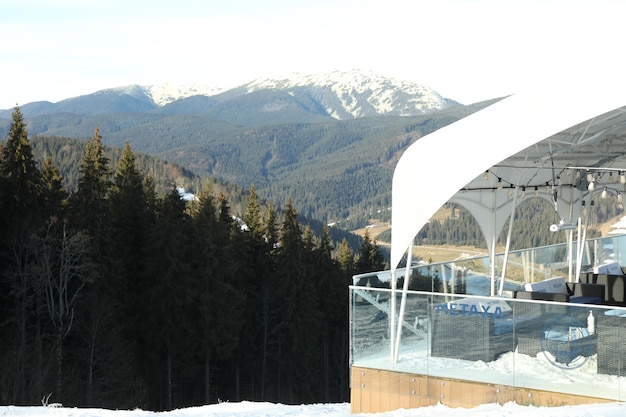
[(130, 99), (353, 94), (340, 95), (328, 141)]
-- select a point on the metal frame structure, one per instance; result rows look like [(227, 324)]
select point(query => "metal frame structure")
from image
[(563, 144)]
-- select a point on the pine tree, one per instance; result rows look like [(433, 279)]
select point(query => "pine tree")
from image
[(223, 213), (90, 201), (128, 226), (166, 326), (89, 213), (122, 295), (257, 277), (308, 239), (22, 217), (346, 257), (21, 177), (252, 216), (218, 300), (370, 258), (271, 228), (54, 194), (300, 325), (332, 286), (151, 196), (326, 245)]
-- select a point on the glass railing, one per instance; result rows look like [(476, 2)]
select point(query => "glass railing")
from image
[(542, 345), (472, 275), (452, 327)]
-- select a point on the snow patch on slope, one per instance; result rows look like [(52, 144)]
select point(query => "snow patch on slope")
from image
[(165, 93)]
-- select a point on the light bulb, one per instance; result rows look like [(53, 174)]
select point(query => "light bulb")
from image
[(604, 193), (591, 186), (622, 178)]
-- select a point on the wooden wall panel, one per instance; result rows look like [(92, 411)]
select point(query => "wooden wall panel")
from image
[(375, 391), (390, 390), (502, 395)]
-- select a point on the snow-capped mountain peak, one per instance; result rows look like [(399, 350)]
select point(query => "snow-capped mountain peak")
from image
[(353, 94), (342, 94)]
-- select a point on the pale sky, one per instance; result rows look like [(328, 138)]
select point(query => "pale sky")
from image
[(466, 50)]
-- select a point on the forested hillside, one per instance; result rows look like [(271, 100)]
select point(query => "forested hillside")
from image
[(115, 295), (331, 169), (67, 153)]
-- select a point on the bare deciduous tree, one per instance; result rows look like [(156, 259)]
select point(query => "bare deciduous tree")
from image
[(64, 267)]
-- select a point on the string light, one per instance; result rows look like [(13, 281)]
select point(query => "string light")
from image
[(595, 177)]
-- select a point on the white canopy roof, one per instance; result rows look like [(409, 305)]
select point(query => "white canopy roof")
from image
[(544, 139)]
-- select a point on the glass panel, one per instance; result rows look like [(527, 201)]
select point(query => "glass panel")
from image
[(555, 346), (570, 348), (472, 338), (369, 324)]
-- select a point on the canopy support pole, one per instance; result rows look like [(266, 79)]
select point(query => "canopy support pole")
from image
[(508, 244), (405, 288), (579, 252), (570, 258), (492, 254), (392, 314), (570, 240), (582, 237)]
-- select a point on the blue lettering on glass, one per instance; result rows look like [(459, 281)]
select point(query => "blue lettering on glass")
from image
[(473, 310), (461, 309)]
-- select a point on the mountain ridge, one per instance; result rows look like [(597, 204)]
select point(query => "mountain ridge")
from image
[(339, 95)]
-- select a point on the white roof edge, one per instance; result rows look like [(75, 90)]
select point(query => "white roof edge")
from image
[(435, 167)]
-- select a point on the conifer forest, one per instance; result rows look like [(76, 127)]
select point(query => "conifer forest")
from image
[(115, 295)]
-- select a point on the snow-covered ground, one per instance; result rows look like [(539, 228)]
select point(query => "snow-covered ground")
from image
[(260, 409)]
